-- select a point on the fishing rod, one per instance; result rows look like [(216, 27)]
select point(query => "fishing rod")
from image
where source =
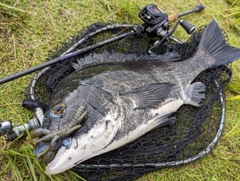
[(64, 57), (157, 23)]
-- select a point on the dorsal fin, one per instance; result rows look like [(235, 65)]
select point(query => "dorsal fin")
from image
[(106, 57)]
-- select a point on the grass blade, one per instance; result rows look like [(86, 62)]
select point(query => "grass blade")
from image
[(13, 8)]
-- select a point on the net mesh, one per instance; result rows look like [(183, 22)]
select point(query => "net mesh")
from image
[(193, 135)]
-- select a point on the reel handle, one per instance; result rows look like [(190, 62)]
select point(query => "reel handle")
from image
[(189, 28)]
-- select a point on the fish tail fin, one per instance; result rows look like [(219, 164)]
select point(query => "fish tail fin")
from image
[(214, 49)]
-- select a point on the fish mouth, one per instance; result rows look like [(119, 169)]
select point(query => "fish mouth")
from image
[(63, 160), (51, 167)]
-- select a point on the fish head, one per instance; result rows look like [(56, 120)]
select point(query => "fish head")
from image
[(84, 146), (97, 128), (60, 123)]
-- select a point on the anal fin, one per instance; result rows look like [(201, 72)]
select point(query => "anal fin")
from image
[(164, 120), (168, 122), (196, 93)]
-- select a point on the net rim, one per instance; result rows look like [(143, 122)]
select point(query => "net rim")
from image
[(39, 114)]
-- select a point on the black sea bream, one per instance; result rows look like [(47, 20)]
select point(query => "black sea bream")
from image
[(126, 100)]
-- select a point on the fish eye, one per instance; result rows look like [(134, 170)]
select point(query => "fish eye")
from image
[(58, 109)]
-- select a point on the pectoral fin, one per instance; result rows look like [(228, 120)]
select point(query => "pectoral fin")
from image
[(151, 95)]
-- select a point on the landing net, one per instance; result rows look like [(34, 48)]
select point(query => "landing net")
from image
[(193, 135)]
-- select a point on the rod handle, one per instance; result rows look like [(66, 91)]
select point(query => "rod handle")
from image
[(172, 17)]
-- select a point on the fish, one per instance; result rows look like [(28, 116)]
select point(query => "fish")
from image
[(126, 100)]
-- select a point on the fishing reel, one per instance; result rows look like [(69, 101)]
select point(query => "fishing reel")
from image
[(157, 23), (156, 20)]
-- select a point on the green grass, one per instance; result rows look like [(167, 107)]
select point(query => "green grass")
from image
[(29, 29)]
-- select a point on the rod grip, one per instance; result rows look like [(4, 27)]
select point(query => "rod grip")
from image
[(172, 17)]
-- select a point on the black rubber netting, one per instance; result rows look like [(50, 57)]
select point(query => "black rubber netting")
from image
[(193, 135)]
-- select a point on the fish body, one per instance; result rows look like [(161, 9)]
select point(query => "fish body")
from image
[(126, 100)]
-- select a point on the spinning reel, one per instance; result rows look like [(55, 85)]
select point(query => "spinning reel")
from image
[(156, 24)]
